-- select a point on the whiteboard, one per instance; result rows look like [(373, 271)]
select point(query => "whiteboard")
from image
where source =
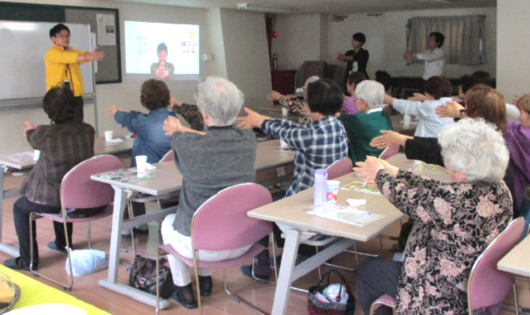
[(22, 69)]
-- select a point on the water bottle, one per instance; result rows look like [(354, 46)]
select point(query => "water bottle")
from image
[(320, 188)]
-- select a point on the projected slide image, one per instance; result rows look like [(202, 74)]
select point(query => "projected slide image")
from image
[(164, 51)]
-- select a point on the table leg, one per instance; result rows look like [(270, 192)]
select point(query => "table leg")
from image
[(111, 282), (290, 272), (8, 249), (283, 287)]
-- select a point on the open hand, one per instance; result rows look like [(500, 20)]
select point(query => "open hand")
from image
[(95, 54), (417, 97), (452, 109), (252, 120), (387, 139), (274, 96), (368, 169), (171, 125), (29, 126)]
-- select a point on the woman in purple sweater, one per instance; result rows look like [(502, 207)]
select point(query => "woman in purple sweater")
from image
[(518, 137)]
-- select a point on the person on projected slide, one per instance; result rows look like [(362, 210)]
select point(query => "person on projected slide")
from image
[(62, 63), (162, 69)]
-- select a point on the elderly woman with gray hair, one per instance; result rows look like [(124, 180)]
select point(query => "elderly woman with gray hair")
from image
[(456, 221), (209, 162), (368, 122)]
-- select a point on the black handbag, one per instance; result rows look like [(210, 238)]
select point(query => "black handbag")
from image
[(143, 276), (317, 307)]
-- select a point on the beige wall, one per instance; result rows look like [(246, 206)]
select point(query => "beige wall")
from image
[(298, 40), (247, 56), (513, 47)]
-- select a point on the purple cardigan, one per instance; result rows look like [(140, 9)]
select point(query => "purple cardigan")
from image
[(518, 138), (349, 106)]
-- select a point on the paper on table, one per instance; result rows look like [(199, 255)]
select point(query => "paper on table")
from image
[(22, 157), (365, 187), (346, 214), (126, 176)]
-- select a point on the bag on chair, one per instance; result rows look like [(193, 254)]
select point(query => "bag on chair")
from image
[(315, 305), (143, 276)]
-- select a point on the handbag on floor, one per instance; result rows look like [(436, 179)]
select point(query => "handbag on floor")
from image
[(143, 276), (318, 304)]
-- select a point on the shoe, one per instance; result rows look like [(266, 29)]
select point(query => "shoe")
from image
[(184, 295), (247, 271), (205, 285), (52, 245), (18, 264)]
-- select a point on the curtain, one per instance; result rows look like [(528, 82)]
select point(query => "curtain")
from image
[(464, 37)]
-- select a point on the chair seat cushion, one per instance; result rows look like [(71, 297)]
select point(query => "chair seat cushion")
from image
[(385, 300), (249, 255), (59, 217)]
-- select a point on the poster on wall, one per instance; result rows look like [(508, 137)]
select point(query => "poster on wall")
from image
[(106, 29)]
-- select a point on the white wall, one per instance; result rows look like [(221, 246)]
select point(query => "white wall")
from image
[(247, 56), (298, 40), (513, 64)]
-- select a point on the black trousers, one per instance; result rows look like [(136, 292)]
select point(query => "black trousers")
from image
[(21, 210), (375, 278), (79, 109)]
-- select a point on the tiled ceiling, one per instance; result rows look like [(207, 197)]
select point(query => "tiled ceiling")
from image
[(327, 6)]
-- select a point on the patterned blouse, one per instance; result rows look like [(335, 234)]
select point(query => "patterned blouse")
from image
[(456, 222), (296, 106)]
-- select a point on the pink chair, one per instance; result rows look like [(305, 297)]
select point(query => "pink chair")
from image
[(487, 286), (167, 157), (79, 191), (221, 223), (340, 168), (389, 152)]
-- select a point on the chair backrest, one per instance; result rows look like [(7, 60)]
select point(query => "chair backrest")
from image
[(487, 285), (221, 223), (389, 152), (339, 168), (79, 191), (167, 157)]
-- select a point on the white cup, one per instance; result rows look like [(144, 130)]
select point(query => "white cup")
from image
[(36, 155), (283, 144), (406, 121), (141, 163), (108, 135), (285, 112)]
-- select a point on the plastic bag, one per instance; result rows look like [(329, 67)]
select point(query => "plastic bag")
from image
[(87, 261), (333, 290)]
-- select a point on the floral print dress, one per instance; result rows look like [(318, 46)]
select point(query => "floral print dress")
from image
[(456, 222)]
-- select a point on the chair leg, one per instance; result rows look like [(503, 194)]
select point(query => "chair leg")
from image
[(236, 297), (196, 269), (68, 250), (157, 283), (515, 300), (31, 244), (89, 235)]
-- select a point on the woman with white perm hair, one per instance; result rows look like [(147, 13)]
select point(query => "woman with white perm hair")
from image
[(209, 162), (456, 221)]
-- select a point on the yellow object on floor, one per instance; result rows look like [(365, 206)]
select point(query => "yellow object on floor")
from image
[(35, 292)]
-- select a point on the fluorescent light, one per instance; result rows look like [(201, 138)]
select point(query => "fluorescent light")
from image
[(246, 6)]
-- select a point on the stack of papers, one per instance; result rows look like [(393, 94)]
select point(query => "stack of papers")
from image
[(346, 214), (27, 157), (126, 176)]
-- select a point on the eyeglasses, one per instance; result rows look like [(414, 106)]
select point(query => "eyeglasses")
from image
[(62, 36), (463, 113)]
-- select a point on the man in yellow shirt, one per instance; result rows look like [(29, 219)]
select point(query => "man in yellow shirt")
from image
[(62, 63)]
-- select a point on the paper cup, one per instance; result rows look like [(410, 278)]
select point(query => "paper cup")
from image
[(108, 135), (36, 155), (285, 112), (406, 121), (141, 161), (333, 190), (283, 144)]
